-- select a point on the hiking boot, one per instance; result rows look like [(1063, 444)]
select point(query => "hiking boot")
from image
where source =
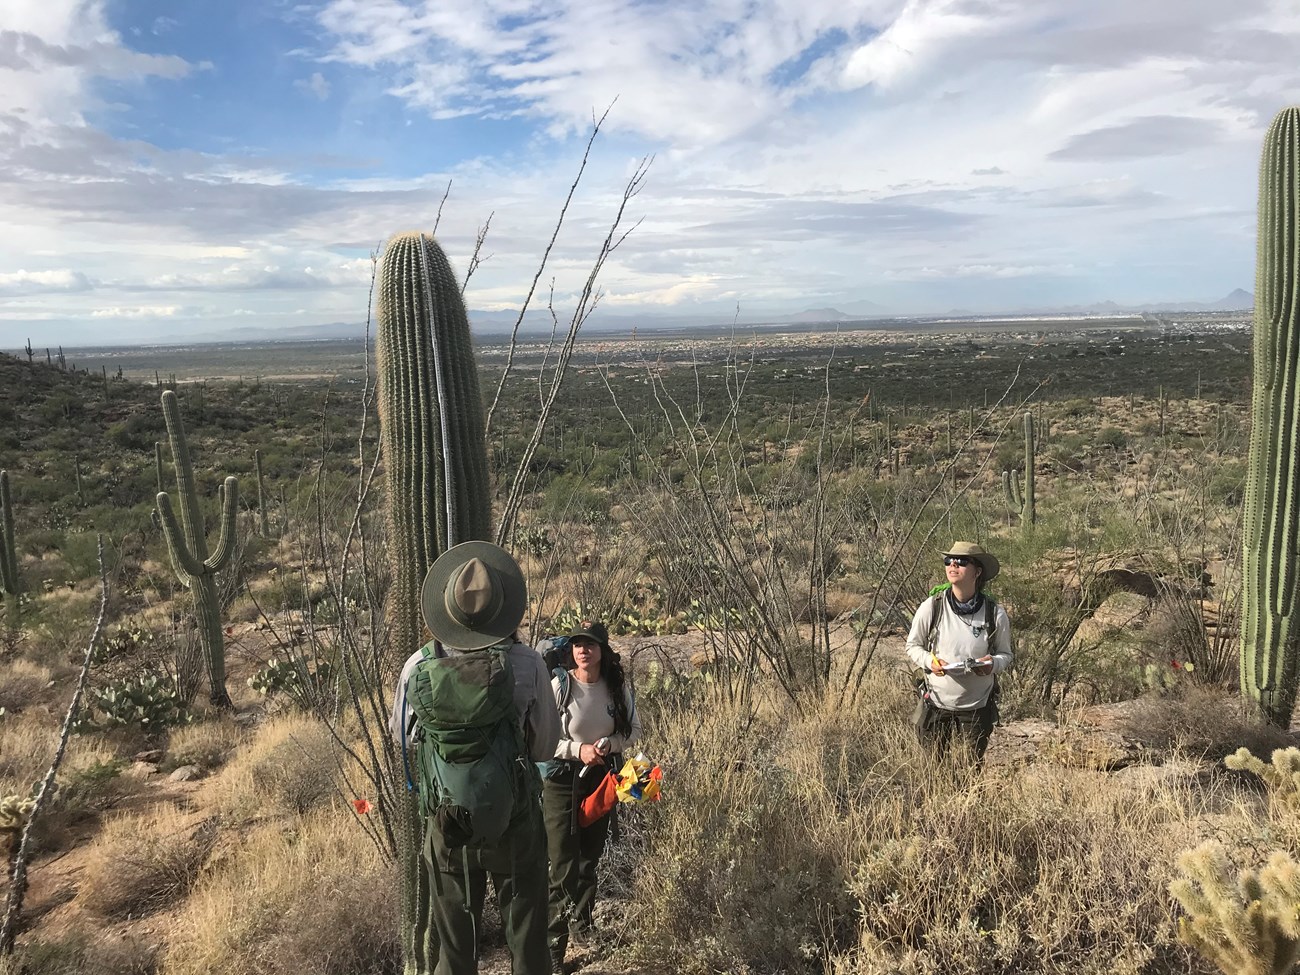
[(557, 961)]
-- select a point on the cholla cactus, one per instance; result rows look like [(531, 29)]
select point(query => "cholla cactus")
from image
[(14, 811), (1248, 928), (1282, 775)]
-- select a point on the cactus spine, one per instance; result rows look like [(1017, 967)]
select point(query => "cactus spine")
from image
[(432, 431), (1018, 500), (188, 546), (1270, 597), (9, 582)]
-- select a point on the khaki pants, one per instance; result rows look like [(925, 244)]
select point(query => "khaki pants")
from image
[(517, 866)]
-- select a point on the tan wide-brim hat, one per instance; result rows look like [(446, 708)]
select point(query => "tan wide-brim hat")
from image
[(474, 596), (988, 563)]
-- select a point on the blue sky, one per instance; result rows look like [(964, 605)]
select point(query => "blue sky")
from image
[(181, 169)]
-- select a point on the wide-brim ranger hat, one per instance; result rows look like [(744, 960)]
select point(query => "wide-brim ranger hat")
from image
[(972, 550), (474, 596)]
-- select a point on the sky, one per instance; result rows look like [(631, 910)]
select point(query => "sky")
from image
[(186, 169)]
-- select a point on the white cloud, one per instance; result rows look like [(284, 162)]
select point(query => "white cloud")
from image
[(315, 86), (139, 311), (35, 282)]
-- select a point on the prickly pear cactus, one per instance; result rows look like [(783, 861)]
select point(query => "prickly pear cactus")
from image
[(187, 544), (1270, 598), (432, 429)]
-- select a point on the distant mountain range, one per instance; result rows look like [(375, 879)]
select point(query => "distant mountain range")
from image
[(496, 323)]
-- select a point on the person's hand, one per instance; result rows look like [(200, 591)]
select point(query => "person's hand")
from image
[(937, 665), (984, 665), (588, 755)]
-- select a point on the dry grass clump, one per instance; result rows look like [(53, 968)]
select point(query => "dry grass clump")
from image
[(21, 683), (314, 898), (829, 841), (207, 744), (27, 744), (81, 952), (142, 864), (290, 767)]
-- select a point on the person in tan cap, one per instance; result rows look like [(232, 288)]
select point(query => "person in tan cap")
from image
[(959, 639), (476, 676)]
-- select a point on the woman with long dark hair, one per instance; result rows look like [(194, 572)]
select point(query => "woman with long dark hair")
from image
[(598, 720)]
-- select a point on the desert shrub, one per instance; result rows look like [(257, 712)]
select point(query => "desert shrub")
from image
[(315, 898), (1207, 722), (289, 767), (1112, 437), (206, 744), (21, 682), (143, 864)]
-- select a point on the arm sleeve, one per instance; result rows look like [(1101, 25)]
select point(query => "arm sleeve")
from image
[(565, 746), (620, 743), (543, 720), (918, 635), (1002, 655), (401, 713)]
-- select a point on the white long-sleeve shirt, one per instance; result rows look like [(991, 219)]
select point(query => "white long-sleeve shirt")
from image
[(959, 637), (588, 716)]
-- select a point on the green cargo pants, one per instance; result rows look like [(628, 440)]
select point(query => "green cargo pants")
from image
[(574, 851), (518, 869)]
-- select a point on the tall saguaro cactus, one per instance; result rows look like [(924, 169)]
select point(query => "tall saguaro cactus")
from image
[(1270, 596), (187, 544), (1018, 500), (9, 582), (435, 452)]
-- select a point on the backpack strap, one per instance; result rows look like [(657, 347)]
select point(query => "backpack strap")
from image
[(936, 610), (566, 690)]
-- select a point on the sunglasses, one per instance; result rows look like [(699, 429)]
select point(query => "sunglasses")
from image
[(958, 560)]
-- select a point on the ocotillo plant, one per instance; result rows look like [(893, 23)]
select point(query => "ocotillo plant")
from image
[(432, 430), (9, 582), (1270, 582), (187, 544), (1022, 501)]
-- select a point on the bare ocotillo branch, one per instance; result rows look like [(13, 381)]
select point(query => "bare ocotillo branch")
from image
[(18, 878)]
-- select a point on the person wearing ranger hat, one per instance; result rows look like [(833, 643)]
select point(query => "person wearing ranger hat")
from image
[(959, 639), (473, 599)]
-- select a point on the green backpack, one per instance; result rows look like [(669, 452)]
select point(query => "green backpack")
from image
[(471, 769)]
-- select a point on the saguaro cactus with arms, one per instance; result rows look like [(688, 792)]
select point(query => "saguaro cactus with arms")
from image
[(187, 544)]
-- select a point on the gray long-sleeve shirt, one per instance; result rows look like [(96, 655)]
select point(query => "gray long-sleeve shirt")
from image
[(534, 703), (958, 638)]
